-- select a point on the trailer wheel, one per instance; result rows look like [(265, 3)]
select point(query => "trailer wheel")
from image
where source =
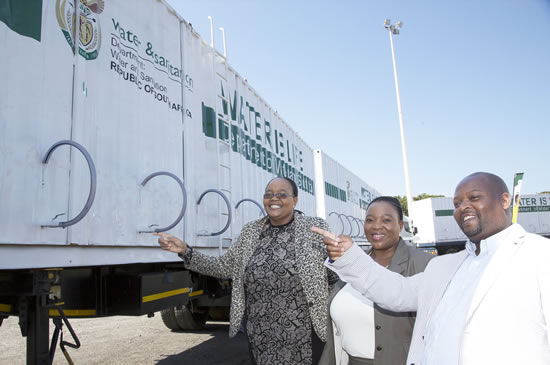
[(169, 319), (190, 321)]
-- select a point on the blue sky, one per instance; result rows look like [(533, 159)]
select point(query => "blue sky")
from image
[(474, 79)]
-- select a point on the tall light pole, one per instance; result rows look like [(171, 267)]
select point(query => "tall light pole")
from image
[(394, 29)]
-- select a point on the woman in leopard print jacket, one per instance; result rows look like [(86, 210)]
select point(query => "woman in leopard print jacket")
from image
[(280, 286)]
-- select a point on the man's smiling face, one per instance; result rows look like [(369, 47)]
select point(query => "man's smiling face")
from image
[(480, 210)]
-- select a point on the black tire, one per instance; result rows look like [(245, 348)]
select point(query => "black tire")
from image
[(190, 321), (169, 319)]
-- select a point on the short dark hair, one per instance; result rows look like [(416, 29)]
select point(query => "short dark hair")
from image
[(494, 180), (394, 202), (289, 180)]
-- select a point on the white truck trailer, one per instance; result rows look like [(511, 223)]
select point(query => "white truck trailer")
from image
[(342, 197), (118, 120), (438, 229)]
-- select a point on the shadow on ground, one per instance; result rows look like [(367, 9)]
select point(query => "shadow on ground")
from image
[(219, 350)]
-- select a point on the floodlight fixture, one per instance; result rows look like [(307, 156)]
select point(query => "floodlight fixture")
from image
[(394, 29)]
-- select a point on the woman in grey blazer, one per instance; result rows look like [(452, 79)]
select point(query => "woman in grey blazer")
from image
[(358, 331), (280, 285)]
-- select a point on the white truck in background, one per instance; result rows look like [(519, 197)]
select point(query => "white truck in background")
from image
[(438, 229), (534, 213), (343, 197), (126, 124)]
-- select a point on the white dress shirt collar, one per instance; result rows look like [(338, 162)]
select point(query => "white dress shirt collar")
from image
[(490, 244)]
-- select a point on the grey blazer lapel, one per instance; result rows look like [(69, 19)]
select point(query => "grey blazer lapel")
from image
[(400, 258), (335, 289)]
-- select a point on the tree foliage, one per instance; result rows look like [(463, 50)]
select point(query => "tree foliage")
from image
[(405, 206)]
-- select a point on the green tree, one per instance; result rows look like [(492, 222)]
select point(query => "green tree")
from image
[(405, 206), (426, 196)]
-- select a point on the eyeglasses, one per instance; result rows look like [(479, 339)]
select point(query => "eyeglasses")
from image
[(281, 195)]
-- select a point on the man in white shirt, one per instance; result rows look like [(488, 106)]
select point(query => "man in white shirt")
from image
[(488, 304)]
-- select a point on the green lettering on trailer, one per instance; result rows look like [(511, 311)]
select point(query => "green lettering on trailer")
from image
[(267, 133), (223, 130), (334, 191), (246, 145), (263, 158), (541, 208), (208, 121), (258, 154), (269, 161), (233, 106), (235, 138), (253, 151)]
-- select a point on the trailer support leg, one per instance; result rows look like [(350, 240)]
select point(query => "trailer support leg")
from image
[(38, 331)]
